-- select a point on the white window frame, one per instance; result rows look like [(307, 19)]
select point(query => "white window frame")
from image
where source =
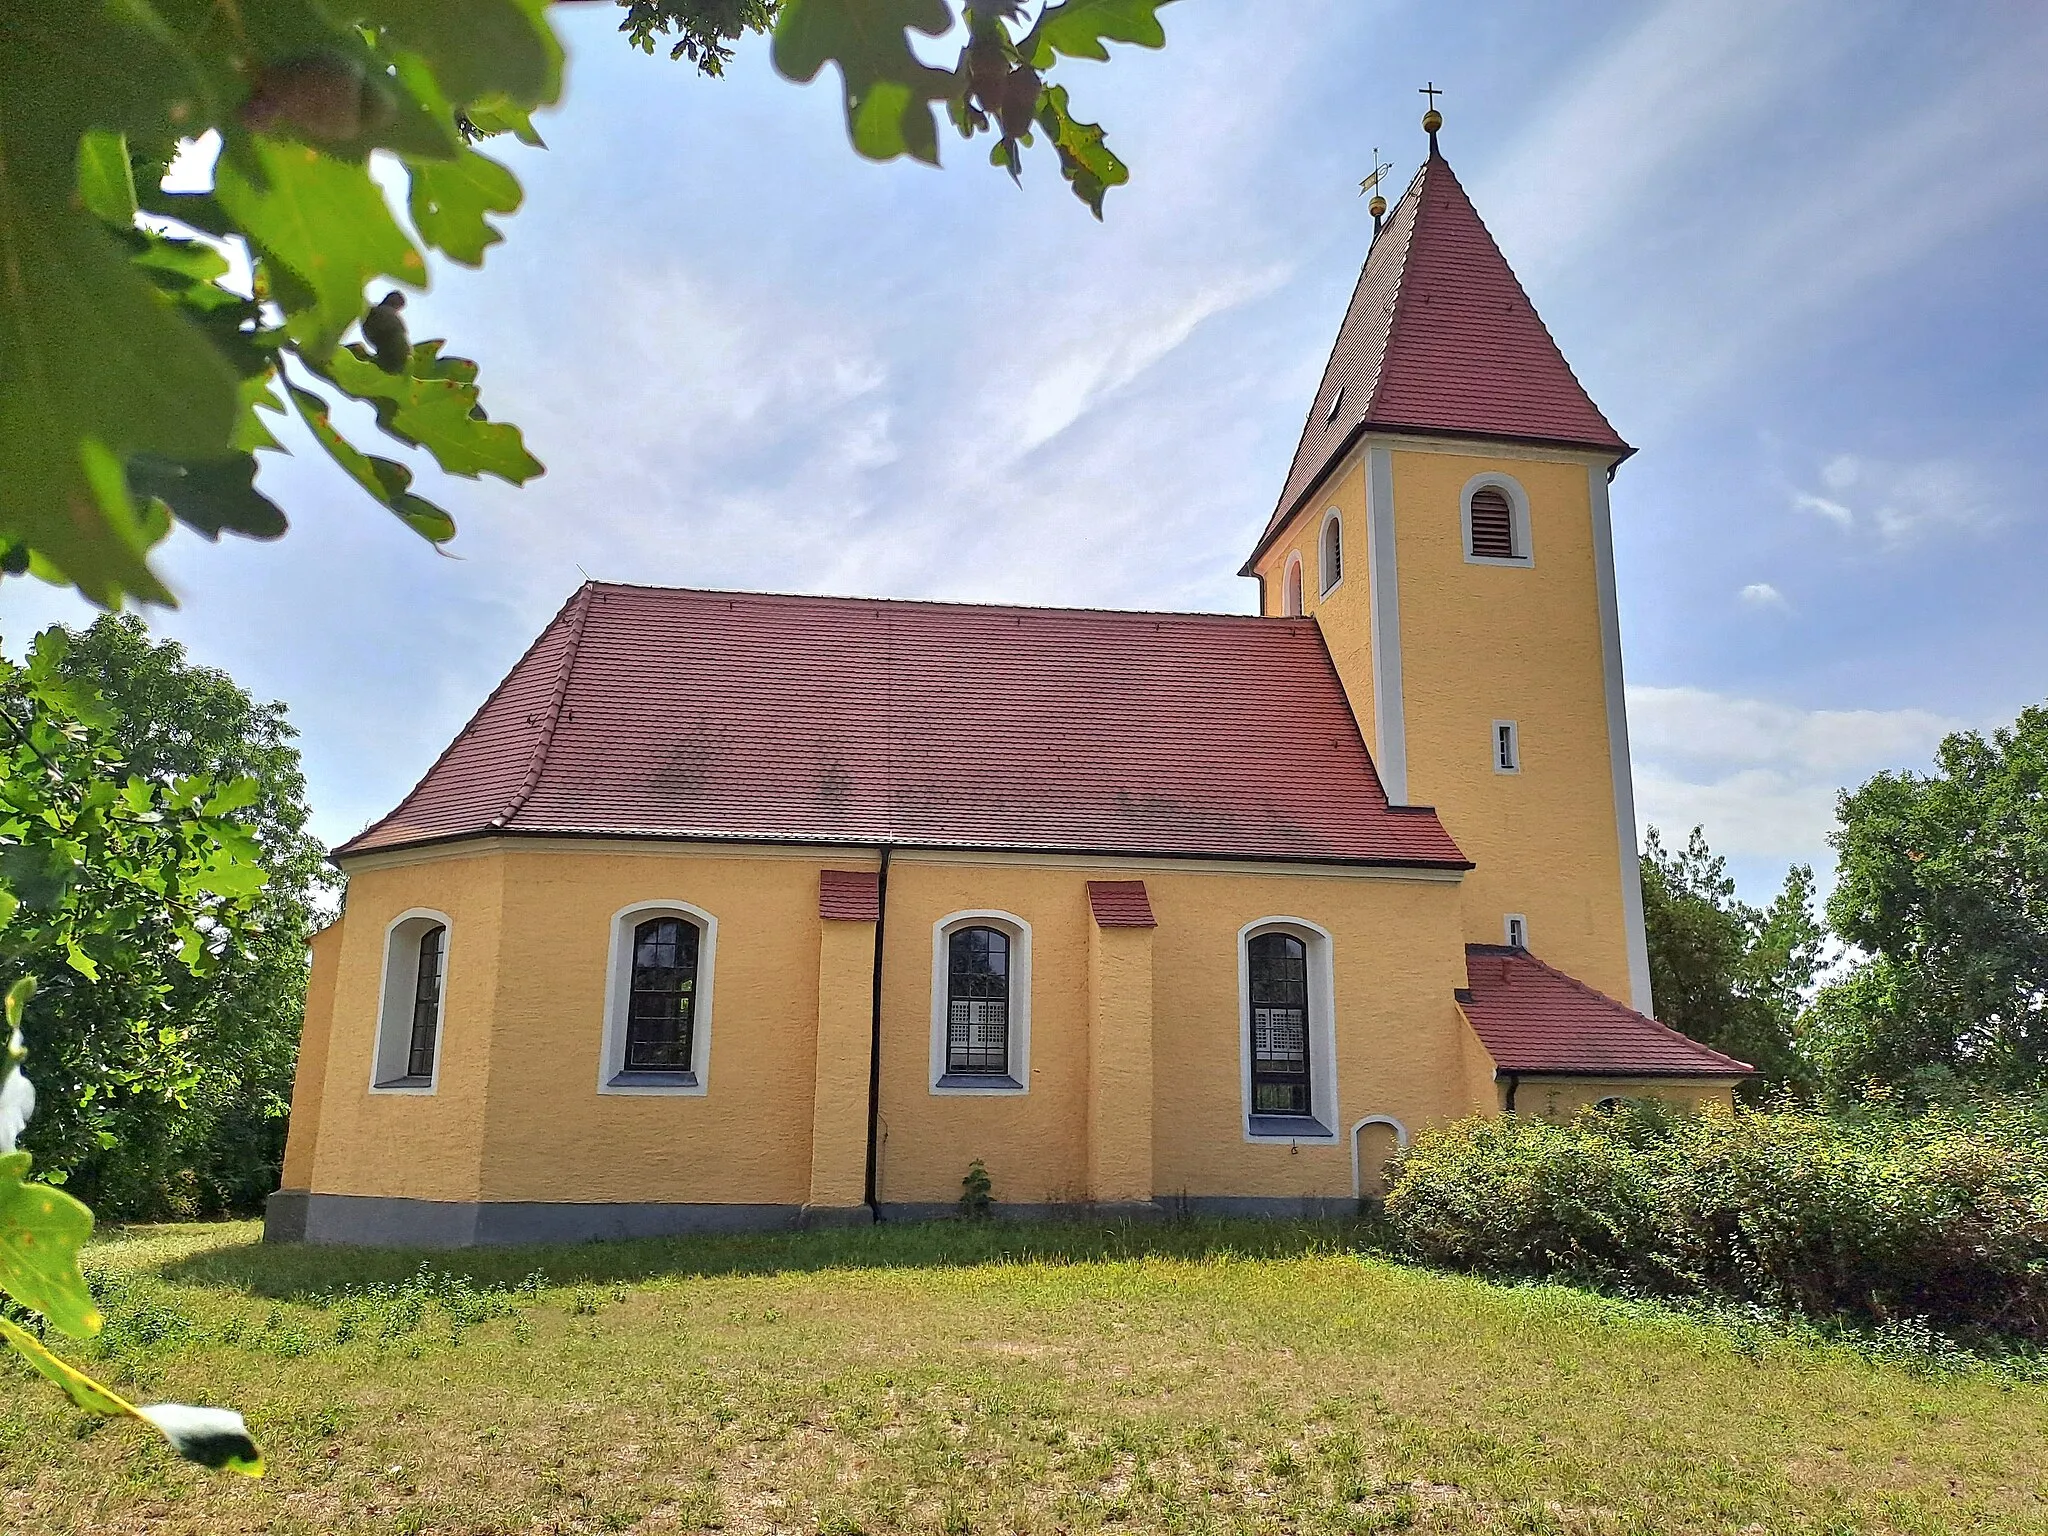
[(1518, 504), (1509, 923), (1331, 519), (1514, 741), (396, 984), (1293, 590), (612, 1076), (958, 1085), (1322, 1035)]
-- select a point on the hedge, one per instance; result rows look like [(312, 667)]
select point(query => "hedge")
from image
[(1941, 1217)]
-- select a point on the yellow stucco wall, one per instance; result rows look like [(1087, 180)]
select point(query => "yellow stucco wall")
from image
[(1136, 1035), (309, 1078), (1120, 1063), (747, 1139), (839, 1099), (1559, 1098), (424, 1147), (1397, 953), (1346, 613), (1481, 643)]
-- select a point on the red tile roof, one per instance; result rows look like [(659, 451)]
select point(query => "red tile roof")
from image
[(1532, 1017), (657, 712), (850, 895), (1120, 904), (1439, 339)]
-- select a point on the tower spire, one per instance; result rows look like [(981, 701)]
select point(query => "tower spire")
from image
[(1432, 119)]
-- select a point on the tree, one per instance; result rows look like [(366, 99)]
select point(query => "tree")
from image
[(1725, 973), (106, 872), (165, 1092), (1944, 888), (135, 370)]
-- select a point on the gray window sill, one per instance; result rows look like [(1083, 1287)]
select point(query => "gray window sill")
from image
[(405, 1085), (653, 1080), (995, 1082), (1288, 1128)]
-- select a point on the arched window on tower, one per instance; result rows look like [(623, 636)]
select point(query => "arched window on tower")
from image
[(1496, 523), (1291, 604), (1332, 563)]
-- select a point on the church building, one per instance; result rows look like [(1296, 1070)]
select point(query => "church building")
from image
[(736, 911)]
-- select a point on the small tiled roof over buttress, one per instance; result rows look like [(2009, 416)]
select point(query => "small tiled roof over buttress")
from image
[(1440, 339), (1533, 1018), (661, 712)]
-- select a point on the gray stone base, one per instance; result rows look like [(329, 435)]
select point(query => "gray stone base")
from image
[(380, 1221), (294, 1216), (1008, 1210), (1264, 1207), (813, 1216)]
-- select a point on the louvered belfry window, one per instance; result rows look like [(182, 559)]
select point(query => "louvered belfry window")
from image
[(662, 1009), (1493, 525), (978, 1001), (426, 1004), (1279, 987)]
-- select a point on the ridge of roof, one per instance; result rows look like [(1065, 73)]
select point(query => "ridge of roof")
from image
[(1714, 1063), (967, 605), (545, 737), (1456, 369)]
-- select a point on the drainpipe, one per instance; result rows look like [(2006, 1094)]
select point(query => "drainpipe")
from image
[(875, 1037), (1514, 1082)]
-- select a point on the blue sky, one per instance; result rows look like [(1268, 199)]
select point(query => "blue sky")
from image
[(1794, 249)]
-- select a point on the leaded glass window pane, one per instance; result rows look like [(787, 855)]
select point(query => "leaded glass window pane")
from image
[(426, 1004), (1279, 1005), (978, 1001), (662, 1004)]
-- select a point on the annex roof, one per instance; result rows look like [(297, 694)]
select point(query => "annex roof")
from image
[(662, 712), (1439, 339), (1532, 1017)]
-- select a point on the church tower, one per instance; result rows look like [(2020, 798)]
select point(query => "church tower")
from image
[(1445, 522)]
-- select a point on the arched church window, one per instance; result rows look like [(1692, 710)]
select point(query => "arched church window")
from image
[(413, 1004), (1291, 590), (1280, 1037), (1332, 563), (978, 1002), (426, 1004), (661, 1011)]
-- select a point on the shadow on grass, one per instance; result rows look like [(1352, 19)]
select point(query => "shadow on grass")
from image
[(294, 1272)]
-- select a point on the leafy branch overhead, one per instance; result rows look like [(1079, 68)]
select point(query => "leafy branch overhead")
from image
[(147, 329)]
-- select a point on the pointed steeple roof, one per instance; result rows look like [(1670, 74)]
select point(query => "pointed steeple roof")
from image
[(1440, 339)]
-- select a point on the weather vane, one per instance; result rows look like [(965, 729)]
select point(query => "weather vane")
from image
[(1432, 119), (1378, 205)]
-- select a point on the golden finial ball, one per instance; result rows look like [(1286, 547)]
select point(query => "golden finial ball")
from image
[(1432, 120), (1377, 206)]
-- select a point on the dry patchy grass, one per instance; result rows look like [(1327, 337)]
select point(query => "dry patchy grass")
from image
[(986, 1379)]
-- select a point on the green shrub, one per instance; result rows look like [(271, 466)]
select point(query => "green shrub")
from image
[(1942, 1217)]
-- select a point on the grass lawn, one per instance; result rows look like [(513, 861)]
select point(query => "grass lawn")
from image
[(986, 1379)]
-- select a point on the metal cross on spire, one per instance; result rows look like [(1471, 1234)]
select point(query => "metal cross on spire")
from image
[(1432, 119), (1430, 90)]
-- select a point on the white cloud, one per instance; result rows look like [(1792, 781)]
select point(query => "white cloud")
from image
[(1762, 777), (1899, 503), (1761, 594)]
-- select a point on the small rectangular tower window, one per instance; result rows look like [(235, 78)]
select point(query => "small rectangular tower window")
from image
[(1507, 747), (1518, 931)]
